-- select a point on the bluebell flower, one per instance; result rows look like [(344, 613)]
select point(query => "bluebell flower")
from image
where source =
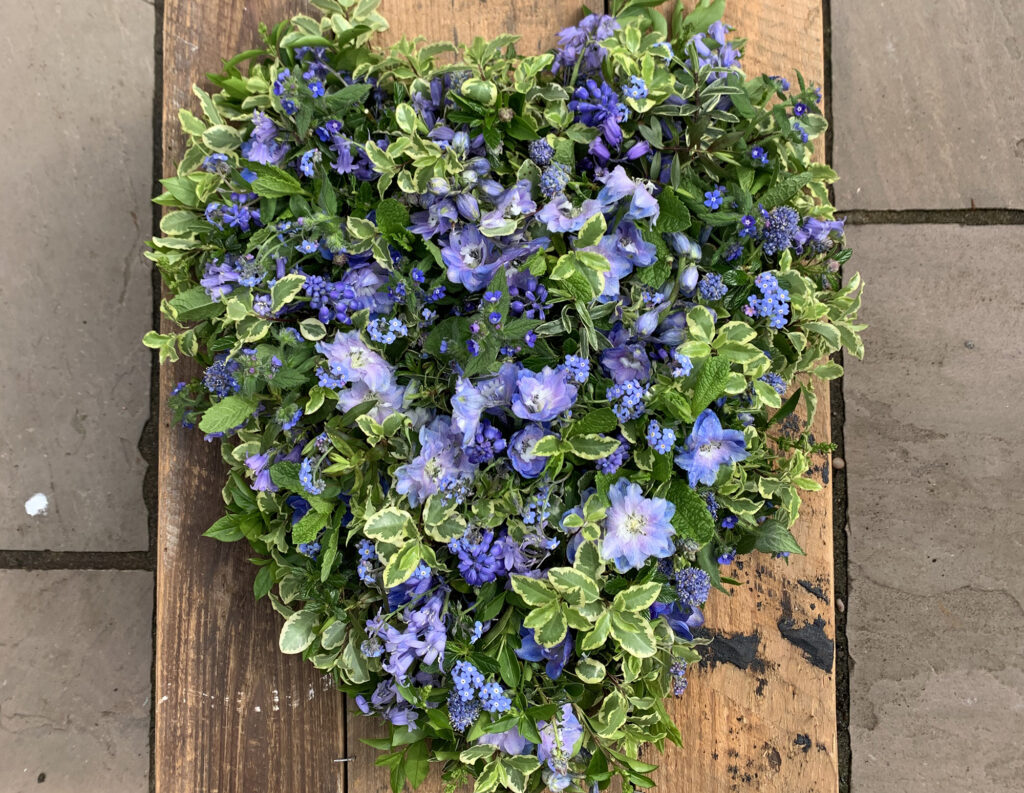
[(636, 528), (544, 395), (262, 146), (520, 451), (708, 448), (259, 466)]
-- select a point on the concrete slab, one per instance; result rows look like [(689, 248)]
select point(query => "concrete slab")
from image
[(78, 90), (928, 103), (935, 464), (75, 653)]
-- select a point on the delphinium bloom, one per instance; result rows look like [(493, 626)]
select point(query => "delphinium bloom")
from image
[(348, 356), (708, 448), (636, 528), (440, 456), (520, 451), (555, 658), (541, 396), (558, 746)]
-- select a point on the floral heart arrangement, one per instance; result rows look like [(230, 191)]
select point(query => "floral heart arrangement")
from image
[(497, 349)]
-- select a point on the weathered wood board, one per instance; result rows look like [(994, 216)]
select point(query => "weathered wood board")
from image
[(233, 714)]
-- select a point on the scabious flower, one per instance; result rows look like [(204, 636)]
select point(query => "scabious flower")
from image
[(554, 178), (712, 287), (708, 448), (544, 395), (541, 152), (780, 229), (693, 586), (636, 528), (678, 673)]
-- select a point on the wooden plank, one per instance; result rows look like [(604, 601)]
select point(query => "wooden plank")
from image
[(761, 714), (233, 715)]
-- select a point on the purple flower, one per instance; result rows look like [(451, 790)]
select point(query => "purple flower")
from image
[(618, 185), (636, 528), (510, 742), (627, 362), (708, 448), (440, 458), (599, 106), (259, 465), (262, 146), (558, 739), (560, 216), (544, 395), (467, 405), (520, 451), (481, 561), (349, 357), (624, 249), (469, 257)]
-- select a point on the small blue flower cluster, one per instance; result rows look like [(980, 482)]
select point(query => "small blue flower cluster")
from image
[(773, 303)]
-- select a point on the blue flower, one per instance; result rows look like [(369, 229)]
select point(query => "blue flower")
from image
[(713, 198), (627, 362), (708, 448), (636, 528), (544, 395), (712, 287), (636, 88), (659, 438), (469, 257), (541, 152), (559, 741), (520, 451), (693, 586), (480, 560), (554, 179), (682, 618), (350, 358), (555, 658), (440, 458), (599, 106)]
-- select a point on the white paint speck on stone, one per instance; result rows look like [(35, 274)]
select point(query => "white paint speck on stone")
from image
[(37, 505)]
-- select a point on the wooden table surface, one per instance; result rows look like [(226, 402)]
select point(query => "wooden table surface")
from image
[(234, 715)]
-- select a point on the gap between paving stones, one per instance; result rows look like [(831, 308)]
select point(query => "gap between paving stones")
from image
[(964, 217)]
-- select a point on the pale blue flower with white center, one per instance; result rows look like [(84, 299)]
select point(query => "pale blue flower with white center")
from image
[(543, 395), (708, 448), (636, 528)]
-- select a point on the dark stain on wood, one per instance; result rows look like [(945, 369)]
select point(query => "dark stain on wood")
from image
[(811, 638)]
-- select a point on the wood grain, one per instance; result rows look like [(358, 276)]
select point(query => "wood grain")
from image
[(759, 715), (233, 714)]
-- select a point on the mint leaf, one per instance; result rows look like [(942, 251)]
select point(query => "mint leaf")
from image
[(232, 411)]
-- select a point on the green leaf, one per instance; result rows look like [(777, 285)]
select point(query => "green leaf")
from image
[(828, 332), (634, 634), (600, 420), (285, 289), (222, 138), (392, 218), (591, 447), (701, 324), (673, 215), (638, 597), (785, 190), (739, 352), (692, 518), (298, 631), (567, 578), (308, 527), (388, 525), (592, 232), (482, 91), (704, 13), (273, 182), (312, 329), (612, 714), (829, 371), (189, 123), (226, 529), (534, 592), (590, 670), (598, 635), (402, 565), (772, 537), (548, 624), (406, 119), (710, 385), (227, 414), (194, 305), (546, 446), (768, 395)]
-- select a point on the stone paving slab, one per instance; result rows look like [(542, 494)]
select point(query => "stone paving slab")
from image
[(935, 462), (76, 176), (75, 659), (928, 103)]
